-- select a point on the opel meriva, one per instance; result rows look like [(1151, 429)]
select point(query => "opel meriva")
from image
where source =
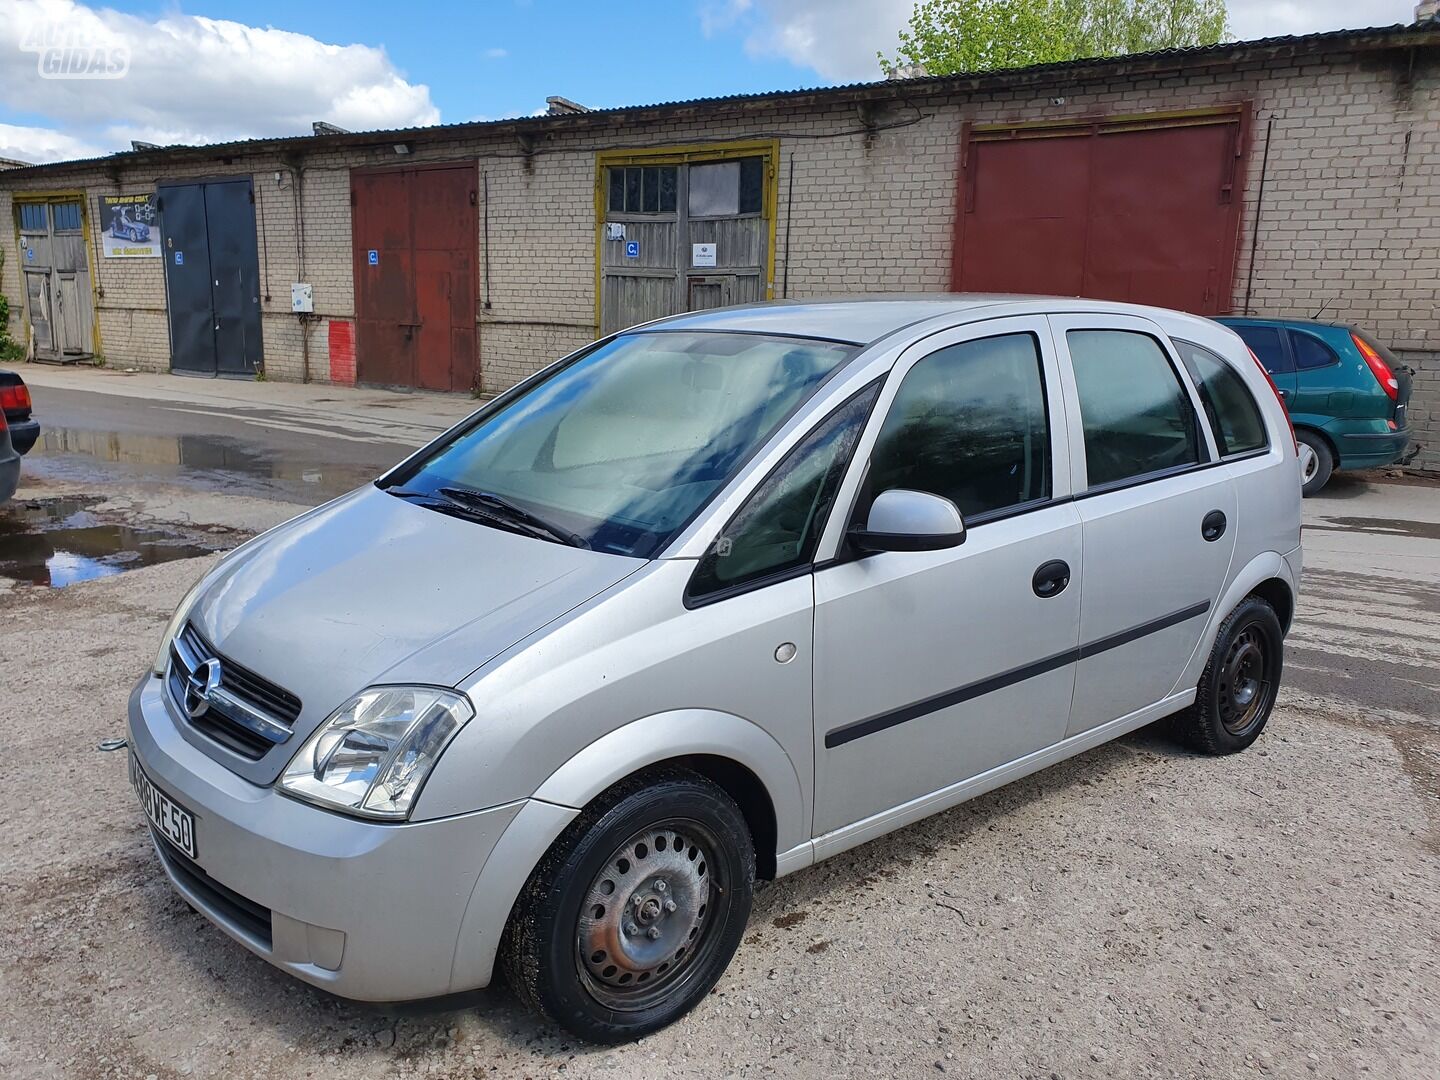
[(704, 602)]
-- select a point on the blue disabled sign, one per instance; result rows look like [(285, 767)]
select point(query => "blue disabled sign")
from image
[(632, 249), (374, 257), (179, 258)]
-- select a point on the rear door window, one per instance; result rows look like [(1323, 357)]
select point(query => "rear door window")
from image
[(1136, 414), (1234, 417), (1268, 345)]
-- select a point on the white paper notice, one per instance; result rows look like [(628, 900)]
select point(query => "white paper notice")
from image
[(702, 254)]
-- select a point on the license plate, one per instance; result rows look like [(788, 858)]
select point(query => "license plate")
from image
[(172, 820)]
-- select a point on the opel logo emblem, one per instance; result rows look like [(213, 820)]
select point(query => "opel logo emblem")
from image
[(199, 686)]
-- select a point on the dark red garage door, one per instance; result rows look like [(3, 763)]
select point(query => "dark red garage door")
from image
[(414, 232), (1145, 210)]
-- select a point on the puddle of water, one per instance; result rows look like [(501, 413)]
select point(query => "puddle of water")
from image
[(57, 542), (204, 457)]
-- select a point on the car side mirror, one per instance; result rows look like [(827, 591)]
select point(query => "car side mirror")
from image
[(903, 520)]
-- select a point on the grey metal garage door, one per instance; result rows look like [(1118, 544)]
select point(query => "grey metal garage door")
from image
[(212, 277)]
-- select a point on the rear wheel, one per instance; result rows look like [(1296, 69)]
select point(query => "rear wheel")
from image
[(1316, 462), (1241, 680), (634, 913)]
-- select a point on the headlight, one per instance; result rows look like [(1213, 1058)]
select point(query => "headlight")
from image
[(372, 756), (182, 612)]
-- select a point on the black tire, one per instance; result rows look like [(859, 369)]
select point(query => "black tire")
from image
[(566, 955), (1237, 692), (1324, 462)]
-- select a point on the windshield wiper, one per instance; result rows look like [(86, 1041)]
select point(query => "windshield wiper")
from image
[(502, 507)]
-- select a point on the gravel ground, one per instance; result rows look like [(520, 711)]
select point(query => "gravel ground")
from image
[(1137, 911)]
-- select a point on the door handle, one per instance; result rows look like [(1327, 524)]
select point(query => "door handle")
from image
[(1051, 578), (1213, 527)]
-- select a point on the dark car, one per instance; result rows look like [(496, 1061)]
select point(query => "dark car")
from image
[(18, 430), (1347, 393)]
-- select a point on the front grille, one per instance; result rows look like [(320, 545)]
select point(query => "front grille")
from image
[(224, 725), (222, 901)]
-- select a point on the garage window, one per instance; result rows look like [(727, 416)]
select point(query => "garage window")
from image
[(32, 217), (67, 217), (1136, 415), (1234, 416), (644, 189), (726, 188), (969, 423)]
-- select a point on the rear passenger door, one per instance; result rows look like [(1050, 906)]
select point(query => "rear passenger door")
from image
[(1157, 516)]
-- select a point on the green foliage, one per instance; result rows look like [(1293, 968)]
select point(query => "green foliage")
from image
[(946, 37), (10, 350)]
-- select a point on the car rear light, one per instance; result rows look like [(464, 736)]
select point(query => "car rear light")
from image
[(15, 398), (1278, 397), (1381, 370)]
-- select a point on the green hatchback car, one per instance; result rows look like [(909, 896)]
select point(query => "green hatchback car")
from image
[(1347, 393)]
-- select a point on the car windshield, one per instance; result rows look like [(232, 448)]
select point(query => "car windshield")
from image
[(619, 449)]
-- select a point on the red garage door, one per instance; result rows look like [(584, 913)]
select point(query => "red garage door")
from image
[(415, 241), (1142, 209)]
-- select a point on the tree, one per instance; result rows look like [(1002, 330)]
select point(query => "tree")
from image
[(946, 37)]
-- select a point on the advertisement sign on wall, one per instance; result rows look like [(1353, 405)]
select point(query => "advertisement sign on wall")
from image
[(130, 226)]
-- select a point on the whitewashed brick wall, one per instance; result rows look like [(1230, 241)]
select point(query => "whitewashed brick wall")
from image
[(1350, 220)]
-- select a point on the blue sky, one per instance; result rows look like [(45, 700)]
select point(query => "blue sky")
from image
[(197, 71), (575, 49)]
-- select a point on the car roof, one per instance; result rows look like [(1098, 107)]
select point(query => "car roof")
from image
[(863, 320), (1278, 320)]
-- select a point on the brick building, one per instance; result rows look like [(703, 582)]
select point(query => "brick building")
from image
[(1274, 177)]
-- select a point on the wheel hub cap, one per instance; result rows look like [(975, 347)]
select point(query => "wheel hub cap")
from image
[(644, 915), (1243, 682)]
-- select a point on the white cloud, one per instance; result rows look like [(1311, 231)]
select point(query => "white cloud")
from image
[(496, 54), (193, 80), (838, 39), (40, 145), (1271, 18)]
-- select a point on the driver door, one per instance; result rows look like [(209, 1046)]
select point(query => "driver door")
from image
[(934, 667)]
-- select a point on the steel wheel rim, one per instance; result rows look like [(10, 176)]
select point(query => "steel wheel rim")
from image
[(1309, 463), (650, 916), (1245, 682)]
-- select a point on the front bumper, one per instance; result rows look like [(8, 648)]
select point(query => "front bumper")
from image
[(365, 910)]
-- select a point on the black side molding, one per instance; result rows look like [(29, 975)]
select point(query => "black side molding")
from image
[(882, 721)]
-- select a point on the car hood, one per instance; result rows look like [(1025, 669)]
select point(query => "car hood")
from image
[(375, 589)]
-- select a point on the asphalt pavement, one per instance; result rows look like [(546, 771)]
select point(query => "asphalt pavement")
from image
[(1136, 911)]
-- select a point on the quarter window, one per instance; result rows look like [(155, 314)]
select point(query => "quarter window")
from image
[(1266, 344), (778, 528), (1311, 352), (1136, 416), (968, 423), (1234, 417)]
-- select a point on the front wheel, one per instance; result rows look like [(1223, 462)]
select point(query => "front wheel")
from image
[(1241, 681), (633, 915)]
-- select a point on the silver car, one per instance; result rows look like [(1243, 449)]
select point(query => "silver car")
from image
[(704, 603)]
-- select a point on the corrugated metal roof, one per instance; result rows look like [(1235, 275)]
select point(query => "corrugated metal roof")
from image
[(1387, 37)]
